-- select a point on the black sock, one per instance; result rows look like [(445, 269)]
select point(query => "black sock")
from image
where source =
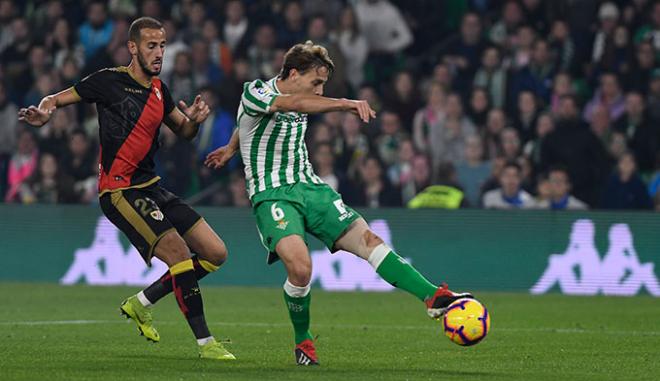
[(189, 297), (163, 286)]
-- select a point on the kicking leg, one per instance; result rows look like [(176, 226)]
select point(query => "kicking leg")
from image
[(361, 241), (293, 253)]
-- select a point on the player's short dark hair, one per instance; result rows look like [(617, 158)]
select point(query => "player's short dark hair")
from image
[(303, 57), (142, 23)]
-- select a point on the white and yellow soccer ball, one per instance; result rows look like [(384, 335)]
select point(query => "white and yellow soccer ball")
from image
[(466, 322)]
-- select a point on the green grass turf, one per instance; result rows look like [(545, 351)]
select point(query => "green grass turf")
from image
[(362, 336)]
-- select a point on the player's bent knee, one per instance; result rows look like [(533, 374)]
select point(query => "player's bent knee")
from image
[(172, 249), (217, 255), (300, 274)]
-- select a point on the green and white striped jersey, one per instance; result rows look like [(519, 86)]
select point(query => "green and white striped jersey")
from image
[(272, 143)]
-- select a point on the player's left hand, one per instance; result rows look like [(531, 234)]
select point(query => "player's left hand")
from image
[(196, 112)]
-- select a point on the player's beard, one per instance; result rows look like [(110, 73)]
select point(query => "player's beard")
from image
[(145, 67)]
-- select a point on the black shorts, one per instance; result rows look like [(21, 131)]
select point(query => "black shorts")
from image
[(145, 215)]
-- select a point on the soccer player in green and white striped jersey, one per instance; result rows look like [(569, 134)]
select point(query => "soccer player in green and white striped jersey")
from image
[(289, 199)]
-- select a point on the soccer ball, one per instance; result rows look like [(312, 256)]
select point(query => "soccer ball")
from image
[(466, 322)]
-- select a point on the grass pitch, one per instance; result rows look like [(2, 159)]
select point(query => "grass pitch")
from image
[(51, 332)]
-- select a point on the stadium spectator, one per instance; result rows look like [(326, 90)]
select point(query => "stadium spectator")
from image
[(638, 74), (7, 13), (509, 143), (219, 51), (462, 52), (237, 31), (601, 125), (625, 189), (261, 52), (8, 133), (575, 147), (448, 137), (174, 162), (181, 82), (651, 31), (420, 177), (495, 124), (372, 190), (537, 75), (403, 98), (522, 47), (430, 115), (353, 146), (353, 46), (642, 136), (96, 32), (390, 138), (510, 195), (400, 171), (562, 46), (18, 74), (532, 149), (504, 30), (216, 129), (559, 192), (237, 190), (493, 77), (79, 162), (22, 165), (472, 172), (561, 85), (55, 135), (323, 160), (175, 45), (292, 31), (386, 32), (48, 185), (204, 71), (478, 108), (524, 120), (317, 32), (608, 95), (194, 22)]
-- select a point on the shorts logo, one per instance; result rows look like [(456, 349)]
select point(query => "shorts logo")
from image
[(282, 224), (156, 215)]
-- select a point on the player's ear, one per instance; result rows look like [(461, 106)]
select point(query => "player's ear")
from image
[(132, 47)]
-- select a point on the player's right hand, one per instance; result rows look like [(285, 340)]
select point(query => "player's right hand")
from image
[(218, 158), (35, 116), (362, 109)]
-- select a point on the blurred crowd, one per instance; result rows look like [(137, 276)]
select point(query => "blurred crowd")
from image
[(481, 103)]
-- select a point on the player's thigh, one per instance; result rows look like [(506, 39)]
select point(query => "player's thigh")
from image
[(277, 220), (138, 217), (327, 215), (201, 239)]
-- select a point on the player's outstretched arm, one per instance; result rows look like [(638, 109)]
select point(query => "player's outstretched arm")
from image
[(39, 115), (312, 104), (218, 158), (185, 120)]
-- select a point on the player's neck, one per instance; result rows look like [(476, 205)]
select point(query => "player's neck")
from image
[(136, 72)]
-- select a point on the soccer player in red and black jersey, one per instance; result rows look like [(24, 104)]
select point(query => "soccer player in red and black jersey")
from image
[(132, 103)]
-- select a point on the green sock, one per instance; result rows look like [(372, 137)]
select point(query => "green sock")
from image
[(298, 312), (400, 274)]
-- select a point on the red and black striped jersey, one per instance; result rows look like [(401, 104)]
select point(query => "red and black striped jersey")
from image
[(130, 115)]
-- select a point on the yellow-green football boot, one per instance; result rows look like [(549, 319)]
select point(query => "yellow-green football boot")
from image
[(141, 315), (215, 351)]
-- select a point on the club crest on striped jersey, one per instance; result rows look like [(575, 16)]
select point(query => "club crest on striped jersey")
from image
[(157, 93)]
